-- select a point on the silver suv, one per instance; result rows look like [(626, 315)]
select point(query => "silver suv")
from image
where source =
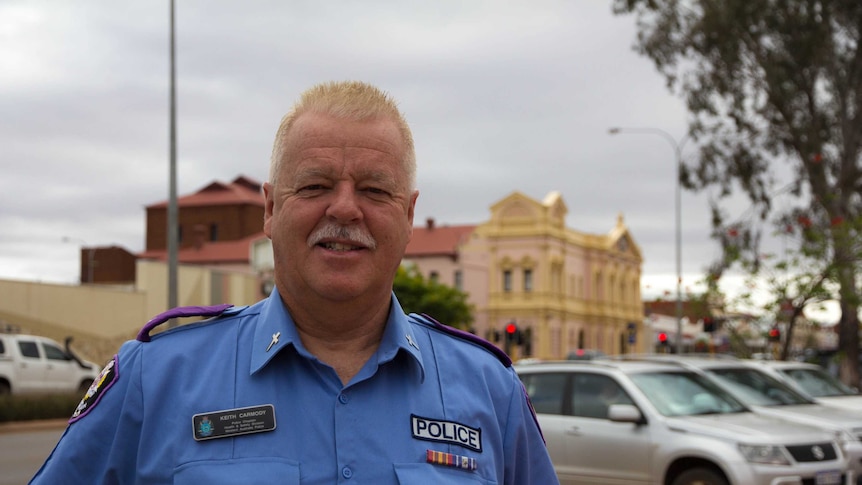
[(628, 422), (769, 396), (812, 380)]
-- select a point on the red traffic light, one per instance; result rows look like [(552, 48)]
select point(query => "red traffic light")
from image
[(662, 337), (774, 334), (511, 328)]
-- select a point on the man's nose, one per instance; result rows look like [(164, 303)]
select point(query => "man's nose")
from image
[(344, 206)]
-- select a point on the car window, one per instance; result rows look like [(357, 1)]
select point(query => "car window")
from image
[(2, 347), (758, 388), (593, 394), (52, 352), (685, 394), (28, 349), (817, 382), (546, 391)]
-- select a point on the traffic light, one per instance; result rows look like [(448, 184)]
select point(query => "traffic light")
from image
[(662, 339), (774, 334), (513, 336), (708, 324)]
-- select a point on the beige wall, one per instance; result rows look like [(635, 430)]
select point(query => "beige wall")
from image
[(100, 318)]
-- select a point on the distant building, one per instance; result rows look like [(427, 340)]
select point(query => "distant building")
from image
[(217, 224), (562, 288)]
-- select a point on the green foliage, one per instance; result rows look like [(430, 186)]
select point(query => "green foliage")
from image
[(418, 295), (772, 87), (38, 406)]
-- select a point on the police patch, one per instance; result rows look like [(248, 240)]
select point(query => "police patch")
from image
[(446, 432), (102, 383)]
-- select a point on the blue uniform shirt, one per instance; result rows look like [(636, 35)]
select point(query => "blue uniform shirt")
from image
[(238, 399)]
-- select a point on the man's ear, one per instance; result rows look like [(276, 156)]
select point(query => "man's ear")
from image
[(268, 208), (411, 210)]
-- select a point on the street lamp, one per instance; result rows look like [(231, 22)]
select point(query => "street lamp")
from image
[(90, 255), (173, 210), (677, 151)]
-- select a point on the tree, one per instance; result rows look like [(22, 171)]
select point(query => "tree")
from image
[(418, 295), (772, 86), (792, 282)]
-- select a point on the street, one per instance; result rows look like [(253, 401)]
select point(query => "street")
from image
[(24, 451)]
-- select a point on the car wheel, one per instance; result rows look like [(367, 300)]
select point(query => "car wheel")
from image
[(5, 390), (85, 385), (700, 476)]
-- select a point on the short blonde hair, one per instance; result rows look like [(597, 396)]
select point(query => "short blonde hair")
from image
[(349, 100)]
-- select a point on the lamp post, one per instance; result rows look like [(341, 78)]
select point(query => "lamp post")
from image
[(90, 256), (677, 151), (173, 216)]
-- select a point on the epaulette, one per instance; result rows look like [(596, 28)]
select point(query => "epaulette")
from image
[(431, 322), (184, 311)]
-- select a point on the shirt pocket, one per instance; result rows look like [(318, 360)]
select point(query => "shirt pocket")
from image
[(428, 474), (248, 471)]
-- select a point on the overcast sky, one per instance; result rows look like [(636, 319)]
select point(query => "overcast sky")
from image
[(502, 96)]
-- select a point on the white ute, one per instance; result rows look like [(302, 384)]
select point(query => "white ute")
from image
[(33, 364)]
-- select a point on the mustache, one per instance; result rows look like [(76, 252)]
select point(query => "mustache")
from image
[(349, 233)]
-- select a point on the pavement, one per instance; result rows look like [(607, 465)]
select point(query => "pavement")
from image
[(32, 425)]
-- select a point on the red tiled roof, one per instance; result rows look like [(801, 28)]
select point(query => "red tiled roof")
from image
[(431, 240), (243, 190), (215, 252)]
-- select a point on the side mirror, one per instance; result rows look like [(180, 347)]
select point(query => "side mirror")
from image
[(625, 413)]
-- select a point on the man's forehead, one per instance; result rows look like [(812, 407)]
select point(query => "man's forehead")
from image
[(315, 130)]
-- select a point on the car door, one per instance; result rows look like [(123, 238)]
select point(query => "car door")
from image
[(60, 369), (585, 447), (604, 451), (547, 391), (31, 367)]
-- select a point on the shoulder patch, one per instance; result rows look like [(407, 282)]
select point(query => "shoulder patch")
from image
[(103, 382), (186, 311), (431, 322)]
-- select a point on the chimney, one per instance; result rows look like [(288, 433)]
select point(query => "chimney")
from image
[(429, 223)]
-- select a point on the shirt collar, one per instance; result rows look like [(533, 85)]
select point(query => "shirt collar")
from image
[(276, 330)]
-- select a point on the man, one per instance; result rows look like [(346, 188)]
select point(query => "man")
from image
[(327, 380)]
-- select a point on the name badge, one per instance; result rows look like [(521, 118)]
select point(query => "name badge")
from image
[(446, 432), (233, 422)]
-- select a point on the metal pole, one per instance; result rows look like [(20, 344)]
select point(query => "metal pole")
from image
[(677, 151), (173, 232)]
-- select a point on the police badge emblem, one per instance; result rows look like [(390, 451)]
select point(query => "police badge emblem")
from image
[(102, 383)]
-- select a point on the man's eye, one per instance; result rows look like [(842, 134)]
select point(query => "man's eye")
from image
[(376, 191), (311, 187)]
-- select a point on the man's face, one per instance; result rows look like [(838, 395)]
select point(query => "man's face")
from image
[(342, 212)]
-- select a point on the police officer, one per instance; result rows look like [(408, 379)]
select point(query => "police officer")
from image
[(327, 380)]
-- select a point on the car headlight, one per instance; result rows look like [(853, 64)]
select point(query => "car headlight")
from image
[(763, 454)]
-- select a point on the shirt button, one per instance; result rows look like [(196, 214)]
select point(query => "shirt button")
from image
[(342, 398), (346, 472)]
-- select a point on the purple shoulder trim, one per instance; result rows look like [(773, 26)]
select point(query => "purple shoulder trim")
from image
[(502, 356), (185, 311)]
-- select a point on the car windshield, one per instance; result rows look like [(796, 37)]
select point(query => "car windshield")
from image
[(685, 394), (818, 382), (758, 388)]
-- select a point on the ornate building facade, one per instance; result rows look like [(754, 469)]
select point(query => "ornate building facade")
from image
[(562, 289)]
